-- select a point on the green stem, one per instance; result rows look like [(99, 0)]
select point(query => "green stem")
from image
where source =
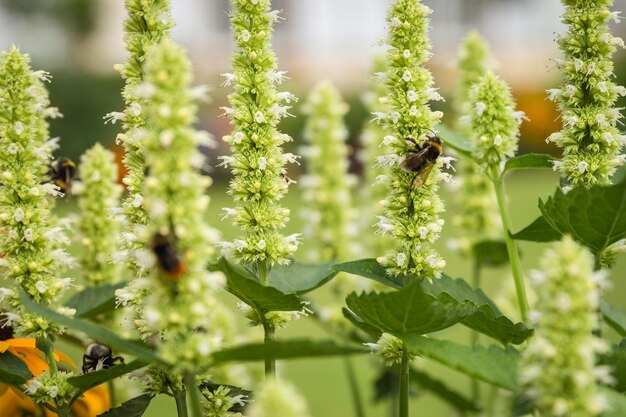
[(359, 410), (262, 269), (64, 412), (194, 396), (52, 363), (404, 383), (111, 385), (270, 363), (511, 246), (181, 403)]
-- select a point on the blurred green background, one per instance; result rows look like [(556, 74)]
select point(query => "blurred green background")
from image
[(78, 41)]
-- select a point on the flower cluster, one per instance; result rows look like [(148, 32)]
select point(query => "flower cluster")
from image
[(390, 349), (99, 196), (51, 388), (32, 245), (327, 185), (478, 216), (558, 366), (147, 22), (371, 140), (175, 202), (220, 403), (411, 213), (590, 139), (257, 161), (277, 398), (494, 123)]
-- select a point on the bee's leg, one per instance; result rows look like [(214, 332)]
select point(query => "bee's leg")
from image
[(118, 358), (412, 140)]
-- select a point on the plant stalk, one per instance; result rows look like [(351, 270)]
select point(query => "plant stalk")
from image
[(512, 249), (404, 383), (112, 393), (359, 410), (194, 396), (270, 363), (181, 403)]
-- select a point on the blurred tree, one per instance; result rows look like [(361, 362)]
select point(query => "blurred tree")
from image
[(76, 16)]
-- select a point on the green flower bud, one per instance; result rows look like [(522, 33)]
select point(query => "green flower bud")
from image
[(478, 217), (99, 228), (494, 123), (257, 161), (590, 139), (327, 186), (558, 367), (412, 213), (33, 247)]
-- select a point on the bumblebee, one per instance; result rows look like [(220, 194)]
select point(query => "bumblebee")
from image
[(62, 173), (167, 257), (422, 159), (99, 357)]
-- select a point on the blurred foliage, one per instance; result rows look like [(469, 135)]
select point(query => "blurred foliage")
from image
[(77, 16), (84, 100)]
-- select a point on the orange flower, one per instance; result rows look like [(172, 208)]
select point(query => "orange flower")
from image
[(16, 404)]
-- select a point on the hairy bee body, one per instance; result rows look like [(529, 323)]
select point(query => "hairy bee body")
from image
[(167, 257), (99, 357), (422, 159), (62, 173)]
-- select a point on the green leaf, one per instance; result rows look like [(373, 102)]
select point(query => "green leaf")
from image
[(131, 408), (409, 310), (233, 392), (441, 390), (93, 330), (538, 231), (491, 252), (13, 370), (529, 161), (494, 365), (486, 318), (616, 359), (595, 217), (91, 379), (288, 349), (454, 140), (360, 324), (370, 268), (617, 403), (300, 278), (94, 300), (244, 286), (615, 317)]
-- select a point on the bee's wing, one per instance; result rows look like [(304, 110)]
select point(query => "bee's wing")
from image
[(415, 161), (422, 175)]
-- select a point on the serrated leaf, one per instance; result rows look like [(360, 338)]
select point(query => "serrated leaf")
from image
[(300, 278), (615, 317), (491, 253), (493, 364), (244, 286), (13, 370), (486, 318), (595, 217), (288, 349), (131, 408), (95, 331), (529, 161), (89, 380), (360, 324), (94, 300), (441, 390), (538, 231), (409, 310), (454, 140), (233, 392)]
